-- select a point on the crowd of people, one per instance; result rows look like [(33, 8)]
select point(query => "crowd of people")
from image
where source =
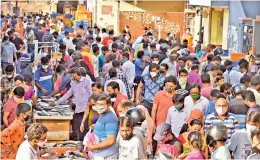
[(140, 98)]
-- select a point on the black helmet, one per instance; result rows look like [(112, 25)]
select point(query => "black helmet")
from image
[(216, 133), (136, 114), (237, 89), (218, 51)]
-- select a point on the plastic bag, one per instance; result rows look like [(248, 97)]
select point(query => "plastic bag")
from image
[(90, 138)]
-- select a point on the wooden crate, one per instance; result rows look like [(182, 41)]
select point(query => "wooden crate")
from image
[(58, 126)]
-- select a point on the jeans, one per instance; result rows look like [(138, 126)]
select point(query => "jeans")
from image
[(30, 48)]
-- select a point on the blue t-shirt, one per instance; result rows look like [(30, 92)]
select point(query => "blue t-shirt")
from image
[(106, 125), (210, 109), (138, 65), (44, 79), (101, 60), (65, 83)]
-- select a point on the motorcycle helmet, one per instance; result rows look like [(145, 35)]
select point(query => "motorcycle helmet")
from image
[(218, 51), (136, 114), (216, 133), (237, 89)]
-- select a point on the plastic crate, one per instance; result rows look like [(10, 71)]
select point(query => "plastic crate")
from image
[(68, 16), (237, 56)]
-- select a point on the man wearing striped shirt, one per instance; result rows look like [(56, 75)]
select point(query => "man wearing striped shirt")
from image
[(222, 117)]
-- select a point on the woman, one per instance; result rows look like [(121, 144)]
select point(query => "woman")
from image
[(97, 88), (10, 106), (13, 135), (29, 96), (194, 114), (195, 142), (195, 125), (90, 115), (130, 146)]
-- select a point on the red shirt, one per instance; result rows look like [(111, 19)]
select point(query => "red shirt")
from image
[(106, 41), (118, 100), (10, 106)]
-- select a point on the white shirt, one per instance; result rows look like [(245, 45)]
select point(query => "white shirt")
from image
[(172, 67), (257, 95), (121, 85), (95, 65), (129, 70), (69, 44), (201, 104), (27, 152)]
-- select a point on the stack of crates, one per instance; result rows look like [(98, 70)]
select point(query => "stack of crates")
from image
[(83, 15), (54, 18), (67, 20)]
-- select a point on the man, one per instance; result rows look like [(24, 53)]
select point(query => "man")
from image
[(108, 39), (249, 101), (37, 138), (163, 101), (121, 76), (255, 88), (8, 53), (154, 59), (255, 69), (15, 40), (152, 83), (106, 128), (81, 90), (164, 135), (48, 38), (194, 76), (206, 86), (52, 28), (113, 91), (195, 100), (128, 68), (43, 78), (108, 65), (171, 61), (215, 61), (234, 75), (239, 143), (222, 116), (39, 34), (65, 82), (7, 83), (101, 57), (113, 77), (68, 41), (214, 95), (164, 70), (237, 106), (95, 61), (29, 36), (58, 37), (177, 114), (182, 83), (188, 37), (213, 73)]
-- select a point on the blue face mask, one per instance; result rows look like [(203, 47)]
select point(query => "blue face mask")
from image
[(45, 66)]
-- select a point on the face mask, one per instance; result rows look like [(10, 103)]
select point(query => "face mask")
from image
[(162, 72), (221, 111), (68, 37), (195, 96), (249, 130), (45, 66), (153, 74), (229, 68), (99, 109), (16, 99), (123, 61), (178, 107), (257, 62), (62, 74), (27, 118), (156, 62), (182, 81), (169, 89), (112, 95), (42, 144), (72, 78), (9, 76)]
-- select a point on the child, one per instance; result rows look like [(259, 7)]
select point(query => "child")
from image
[(195, 142)]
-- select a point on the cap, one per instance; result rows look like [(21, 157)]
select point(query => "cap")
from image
[(162, 130), (76, 55)]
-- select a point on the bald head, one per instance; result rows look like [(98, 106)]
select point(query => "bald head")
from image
[(221, 101), (221, 106)]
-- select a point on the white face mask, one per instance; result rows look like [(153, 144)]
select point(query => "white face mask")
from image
[(221, 111), (153, 74), (99, 109), (9, 76), (156, 62), (42, 144), (249, 130)]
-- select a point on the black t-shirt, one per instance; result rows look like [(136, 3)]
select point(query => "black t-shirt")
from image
[(17, 42), (237, 106)]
